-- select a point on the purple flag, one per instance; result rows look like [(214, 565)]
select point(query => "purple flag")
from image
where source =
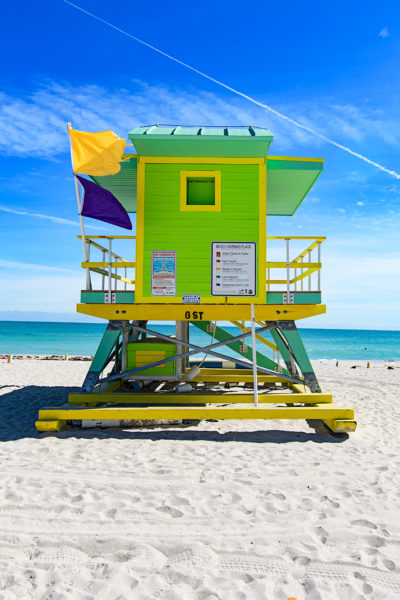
[(101, 204)]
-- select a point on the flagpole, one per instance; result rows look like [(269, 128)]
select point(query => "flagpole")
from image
[(78, 199)]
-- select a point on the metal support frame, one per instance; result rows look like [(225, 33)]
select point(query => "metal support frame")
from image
[(221, 334), (290, 333), (195, 349)]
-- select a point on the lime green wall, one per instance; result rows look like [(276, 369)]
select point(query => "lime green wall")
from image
[(189, 233)]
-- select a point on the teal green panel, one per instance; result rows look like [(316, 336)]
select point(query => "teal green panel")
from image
[(170, 140), (92, 297), (122, 184), (98, 297), (274, 297), (299, 297), (307, 297), (125, 297), (104, 349), (294, 165), (299, 352), (288, 183), (284, 352)]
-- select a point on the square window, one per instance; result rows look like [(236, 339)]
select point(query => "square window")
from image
[(201, 191)]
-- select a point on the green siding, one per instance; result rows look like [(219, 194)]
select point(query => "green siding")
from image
[(190, 233)]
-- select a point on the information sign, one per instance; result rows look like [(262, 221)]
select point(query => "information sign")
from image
[(233, 269), (163, 273)]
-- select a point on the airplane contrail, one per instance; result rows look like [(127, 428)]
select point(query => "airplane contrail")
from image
[(238, 93)]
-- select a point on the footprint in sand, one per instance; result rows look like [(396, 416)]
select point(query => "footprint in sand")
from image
[(170, 511), (364, 523)]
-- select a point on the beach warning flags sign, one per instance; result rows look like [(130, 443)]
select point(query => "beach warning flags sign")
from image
[(96, 153)]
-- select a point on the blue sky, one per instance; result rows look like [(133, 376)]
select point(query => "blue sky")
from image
[(333, 68)]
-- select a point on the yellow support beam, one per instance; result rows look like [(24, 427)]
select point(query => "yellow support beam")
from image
[(108, 237), (201, 312), (341, 425), (105, 265), (327, 412), (293, 265), (198, 398), (54, 425), (258, 337), (113, 275), (319, 238)]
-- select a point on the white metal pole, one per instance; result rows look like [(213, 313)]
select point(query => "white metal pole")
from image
[(78, 199), (319, 270), (109, 267), (288, 271), (85, 254), (253, 340), (309, 277)]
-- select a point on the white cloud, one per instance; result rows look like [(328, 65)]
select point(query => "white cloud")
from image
[(13, 264), (59, 220), (360, 203), (47, 110), (47, 291), (384, 33)]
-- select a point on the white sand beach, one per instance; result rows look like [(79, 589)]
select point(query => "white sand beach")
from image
[(221, 510)]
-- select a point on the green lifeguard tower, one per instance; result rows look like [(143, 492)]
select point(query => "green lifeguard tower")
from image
[(201, 256)]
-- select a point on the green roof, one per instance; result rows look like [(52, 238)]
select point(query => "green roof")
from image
[(288, 182), (204, 141)]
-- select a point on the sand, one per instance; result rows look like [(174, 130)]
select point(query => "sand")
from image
[(221, 510)]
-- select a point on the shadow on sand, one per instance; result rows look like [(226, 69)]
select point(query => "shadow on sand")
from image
[(19, 410)]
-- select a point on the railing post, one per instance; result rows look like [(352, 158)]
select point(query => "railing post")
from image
[(309, 277), (288, 271), (319, 270), (302, 280), (268, 278), (88, 279), (115, 280), (103, 277), (125, 272), (109, 266)]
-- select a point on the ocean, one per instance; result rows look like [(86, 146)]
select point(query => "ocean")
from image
[(83, 338)]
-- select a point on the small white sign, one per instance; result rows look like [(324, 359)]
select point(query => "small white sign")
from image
[(163, 273), (191, 299), (234, 269)]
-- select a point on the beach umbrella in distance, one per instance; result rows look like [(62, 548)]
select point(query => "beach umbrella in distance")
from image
[(98, 203), (96, 153)]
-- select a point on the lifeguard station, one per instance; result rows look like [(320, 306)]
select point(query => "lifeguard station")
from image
[(201, 258)]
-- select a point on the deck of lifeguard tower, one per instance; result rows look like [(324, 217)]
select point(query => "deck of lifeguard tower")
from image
[(196, 190)]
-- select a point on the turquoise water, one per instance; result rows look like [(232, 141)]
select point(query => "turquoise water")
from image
[(83, 338)]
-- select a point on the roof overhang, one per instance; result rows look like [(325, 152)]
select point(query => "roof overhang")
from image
[(289, 179), (196, 141)]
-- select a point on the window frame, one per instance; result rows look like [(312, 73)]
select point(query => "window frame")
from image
[(184, 175)]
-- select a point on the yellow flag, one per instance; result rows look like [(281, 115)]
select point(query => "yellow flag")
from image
[(96, 153)]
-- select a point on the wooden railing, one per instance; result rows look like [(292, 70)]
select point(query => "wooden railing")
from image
[(298, 269), (109, 264)]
